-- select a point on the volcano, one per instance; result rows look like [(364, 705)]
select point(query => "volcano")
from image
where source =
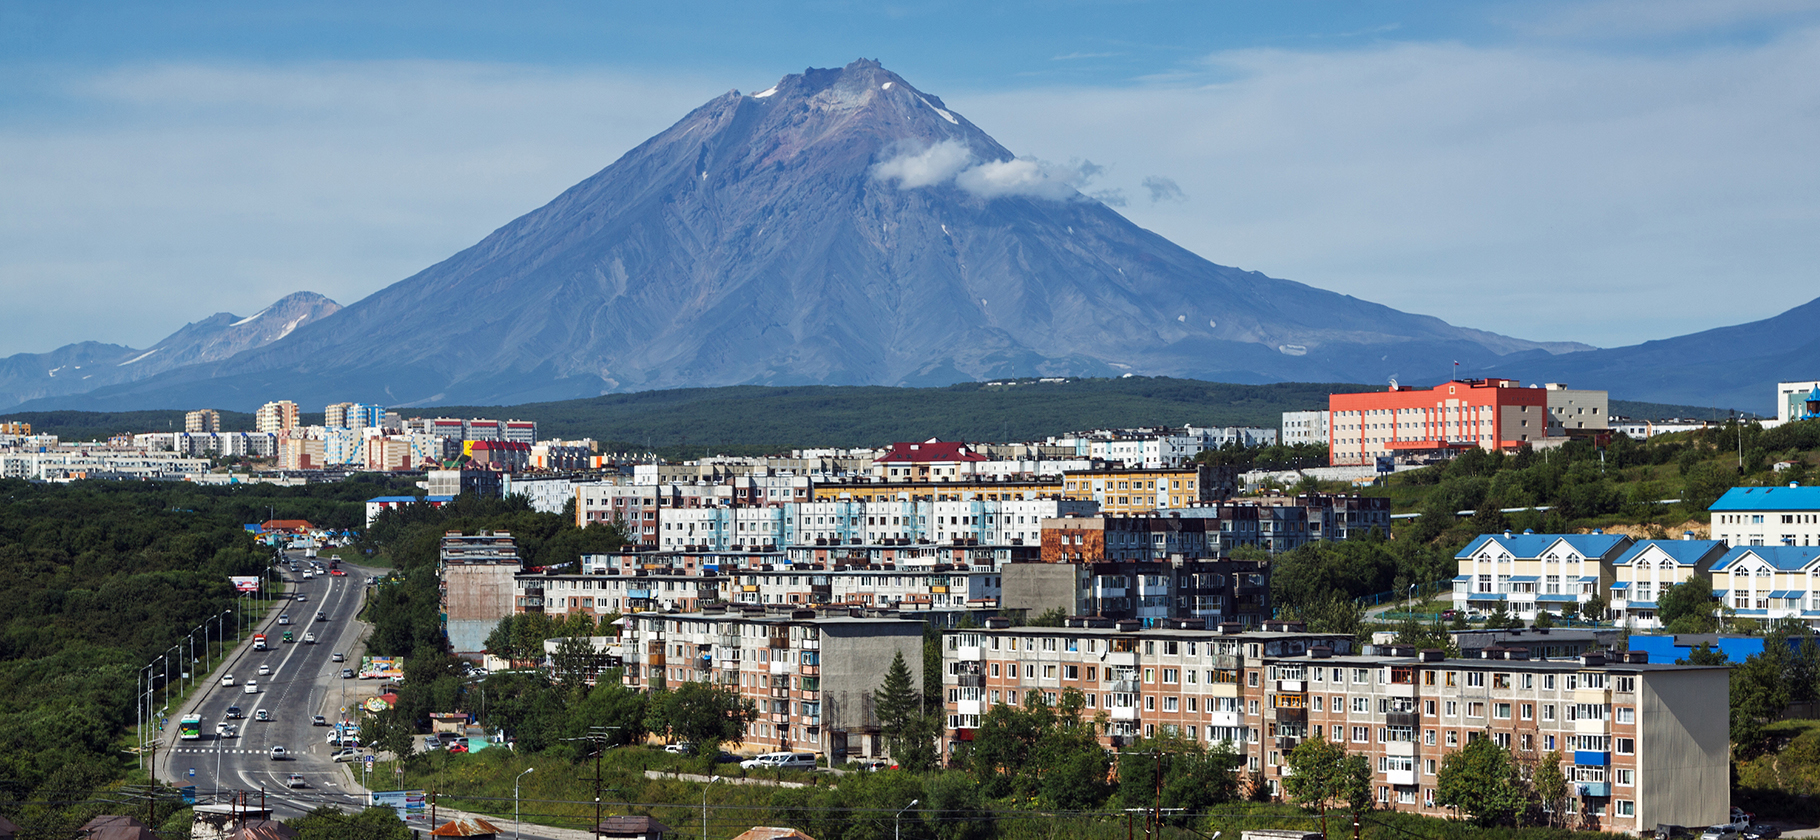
[(840, 227)]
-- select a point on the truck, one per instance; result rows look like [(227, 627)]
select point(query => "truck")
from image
[(190, 727), (288, 638), (259, 641)]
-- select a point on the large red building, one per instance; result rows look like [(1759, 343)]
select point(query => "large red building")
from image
[(1487, 413)]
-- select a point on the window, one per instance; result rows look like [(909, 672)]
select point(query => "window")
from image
[(1475, 679), (1624, 778), (1170, 704), (1171, 675), (1624, 808), (1428, 767), (1528, 711), (1475, 709), (1428, 708), (1501, 711), (1428, 737), (1450, 708), (1548, 711), (1361, 704), (1361, 734), (1453, 738), (1149, 702), (1149, 675), (1625, 714), (1548, 682), (1627, 746)]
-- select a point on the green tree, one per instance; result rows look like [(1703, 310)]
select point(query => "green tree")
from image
[(387, 731), (574, 663), (1551, 786), (899, 707), (1687, 607), (326, 822), (1481, 782), (1325, 774), (1703, 654), (1544, 619), (700, 713), (1594, 608), (1052, 617)]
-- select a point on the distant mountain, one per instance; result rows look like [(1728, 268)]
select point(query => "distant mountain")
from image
[(80, 368), (1729, 367), (841, 228)]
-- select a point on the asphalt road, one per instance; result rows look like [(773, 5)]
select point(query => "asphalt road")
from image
[(303, 682)]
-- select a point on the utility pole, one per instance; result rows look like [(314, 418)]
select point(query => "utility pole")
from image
[(596, 737)]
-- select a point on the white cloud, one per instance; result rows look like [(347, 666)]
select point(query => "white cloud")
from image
[(936, 164), (1542, 192), (951, 161)]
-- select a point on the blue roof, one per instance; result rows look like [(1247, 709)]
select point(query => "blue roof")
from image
[(1534, 545), (1683, 552), (1557, 597), (1784, 558), (397, 500), (1459, 578), (1525, 578), (1769, 498), (1623, 584), (1787, 593), (1641, 605)]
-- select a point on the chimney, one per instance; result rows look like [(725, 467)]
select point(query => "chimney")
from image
[(1687, 535), (1592, 657), (1433, 654)]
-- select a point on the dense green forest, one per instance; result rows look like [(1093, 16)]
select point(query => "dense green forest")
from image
[(100, 579), (755, 419)]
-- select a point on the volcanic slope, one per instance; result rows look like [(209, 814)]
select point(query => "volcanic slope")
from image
[(841, 227)]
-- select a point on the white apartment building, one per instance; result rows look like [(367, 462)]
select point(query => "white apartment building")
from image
[(1305, 427), (1747, 516), (1571, 411), (1791, 399), (1528, 571), (1652, 566)]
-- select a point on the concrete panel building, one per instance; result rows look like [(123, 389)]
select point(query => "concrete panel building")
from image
[(477, 573)]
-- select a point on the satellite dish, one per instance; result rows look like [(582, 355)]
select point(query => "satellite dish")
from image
[(1393, 383)]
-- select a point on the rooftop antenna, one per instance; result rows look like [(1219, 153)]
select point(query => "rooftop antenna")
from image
[(1393, 382)]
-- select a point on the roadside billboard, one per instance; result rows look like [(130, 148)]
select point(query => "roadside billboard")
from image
[(245, 584)]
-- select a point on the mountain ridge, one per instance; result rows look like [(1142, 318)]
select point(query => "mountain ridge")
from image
[(841, 227)]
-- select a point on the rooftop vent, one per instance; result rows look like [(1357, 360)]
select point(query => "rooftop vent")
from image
[(1433, 654), (1592, 657)]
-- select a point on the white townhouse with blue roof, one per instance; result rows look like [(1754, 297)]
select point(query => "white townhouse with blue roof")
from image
[(1531, 571), (1651, 566), (1747, 516), (1770, 582)]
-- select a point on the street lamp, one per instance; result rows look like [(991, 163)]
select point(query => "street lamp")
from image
[(704, 806), (517, 815), (898, 830)]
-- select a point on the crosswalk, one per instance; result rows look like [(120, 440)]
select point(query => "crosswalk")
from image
[(212, 751)]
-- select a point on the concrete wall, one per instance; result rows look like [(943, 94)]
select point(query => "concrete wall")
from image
[(1040, 587), (1683, 774), (478, 596), (855, 657)]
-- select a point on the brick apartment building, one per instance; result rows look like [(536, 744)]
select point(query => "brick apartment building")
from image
[(1643, 743)]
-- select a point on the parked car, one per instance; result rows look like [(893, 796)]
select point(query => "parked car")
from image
[(781, 761), (1720, 832), (680, 748), (347, 673), (345, 754), (872, 765), (295, 780), (432, 742), (278, 754), (458, 747), (1761, 831), (319, 720)]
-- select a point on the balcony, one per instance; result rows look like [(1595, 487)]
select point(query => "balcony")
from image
[(780, 693), (1124, 687), (1592, 759), (1127, 658), (777, 643), (1592, 788), (1290, 686), (1592, 727), (1223, 719), (780, 667), (971, 680), (1228, 662), (1400, 777), (968, 707), (1400, 719), (970, 653), (1124, 712)]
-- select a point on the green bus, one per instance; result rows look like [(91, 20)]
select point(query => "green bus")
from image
[(190, 727)]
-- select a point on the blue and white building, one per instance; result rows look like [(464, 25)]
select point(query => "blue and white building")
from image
[(1770, 582), (1528, 572), (1651, 566), (1751, 516)]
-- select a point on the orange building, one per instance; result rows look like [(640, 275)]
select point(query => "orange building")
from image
[(1487, 413)]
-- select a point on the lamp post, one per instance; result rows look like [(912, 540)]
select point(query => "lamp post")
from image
[(167, 675), (704, 806), (897, 830), (518, 825)]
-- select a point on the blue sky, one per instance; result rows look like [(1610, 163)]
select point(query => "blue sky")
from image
[(1605, 172)]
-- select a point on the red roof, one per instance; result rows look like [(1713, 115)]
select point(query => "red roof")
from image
[(929, 451), (501, 446)]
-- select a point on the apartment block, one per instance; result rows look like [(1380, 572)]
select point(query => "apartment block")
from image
[(1204, 591), (1574, 412), (1128, 491), (1642, 743), (928, 461), (1529, 571), (1747, 516), (1305, 427), (476, 578), (811, 674), (1649, 568), (1489, 414), (988, 489), (202, 421), (276, 416)]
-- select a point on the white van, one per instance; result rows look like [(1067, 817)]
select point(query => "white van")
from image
[(781, 761)]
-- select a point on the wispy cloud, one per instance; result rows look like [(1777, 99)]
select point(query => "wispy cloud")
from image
[(950, 161), (1075, 56)]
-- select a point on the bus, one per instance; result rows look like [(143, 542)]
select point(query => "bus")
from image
[(190, 728)]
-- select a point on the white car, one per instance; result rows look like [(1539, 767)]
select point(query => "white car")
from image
[(252, 687), (265, 670), (227, 679)]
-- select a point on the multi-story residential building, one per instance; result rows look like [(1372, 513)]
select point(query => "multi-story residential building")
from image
[(499, 455), (476, 578), (1486, 413), (1144, 490), (302, 453), (276, 416), (929, 461), (1770, 582), (380, 504), (1767, 516), (1283, 523), (1305, 427), (563, 455), (1529, 571), (519, 431), (1574, 412), (1101, 539), (1649, 568), (454, 482), (202, 421), (1797, 401), (1642, 743), (811, 675)]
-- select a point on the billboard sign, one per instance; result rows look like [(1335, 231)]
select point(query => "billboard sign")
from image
[(245, 584), (407, 803)]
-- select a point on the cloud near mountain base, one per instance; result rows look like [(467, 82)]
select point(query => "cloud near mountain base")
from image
[(951, 161)]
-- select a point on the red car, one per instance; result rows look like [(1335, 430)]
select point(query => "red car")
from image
[(458, 747), (338, 573)]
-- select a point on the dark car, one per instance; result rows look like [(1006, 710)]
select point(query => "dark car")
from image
[(234, 712)]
